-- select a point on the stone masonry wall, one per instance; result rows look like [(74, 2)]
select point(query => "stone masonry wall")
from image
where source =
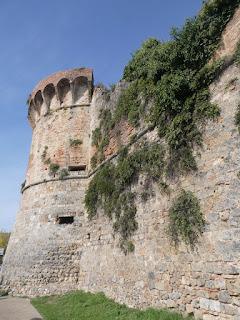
[(45, 257), (230, 37), (53, 258)]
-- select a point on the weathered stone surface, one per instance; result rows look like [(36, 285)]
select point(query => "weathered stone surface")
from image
[(210, 305), (45, 257), (230, 37), (224, 297)]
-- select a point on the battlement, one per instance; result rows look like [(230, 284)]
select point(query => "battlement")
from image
[(60, 90)]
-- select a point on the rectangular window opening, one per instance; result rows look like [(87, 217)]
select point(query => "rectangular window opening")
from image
[(66, 220), (77, 168)]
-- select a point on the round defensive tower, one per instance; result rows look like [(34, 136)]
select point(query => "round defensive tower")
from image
[(60, 117), (47, 231)]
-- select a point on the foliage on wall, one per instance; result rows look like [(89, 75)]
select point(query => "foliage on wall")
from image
[(186, 219), (168, 89)]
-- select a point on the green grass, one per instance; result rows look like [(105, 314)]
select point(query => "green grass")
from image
[(85, 306)]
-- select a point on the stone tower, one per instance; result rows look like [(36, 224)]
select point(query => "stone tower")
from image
[(59, 114), (60, 117)]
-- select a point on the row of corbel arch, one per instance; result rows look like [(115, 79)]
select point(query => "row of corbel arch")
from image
[(65, 93)]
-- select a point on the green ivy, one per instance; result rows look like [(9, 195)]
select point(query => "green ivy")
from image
[(168, 89), (174, 77), (110, 188), (186, 219)]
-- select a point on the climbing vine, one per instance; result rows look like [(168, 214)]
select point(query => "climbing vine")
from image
[(110, 189), (168, 90), (186, 219)]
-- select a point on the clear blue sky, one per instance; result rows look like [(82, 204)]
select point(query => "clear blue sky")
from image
[(42, 37)]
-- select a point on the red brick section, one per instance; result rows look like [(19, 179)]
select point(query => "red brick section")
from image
[(68, 74), (119, 136)]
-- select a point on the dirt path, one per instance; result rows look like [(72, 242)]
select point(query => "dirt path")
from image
[(17, 309)]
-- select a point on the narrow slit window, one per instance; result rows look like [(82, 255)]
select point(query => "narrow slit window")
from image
[(80, 168), (66, 220)]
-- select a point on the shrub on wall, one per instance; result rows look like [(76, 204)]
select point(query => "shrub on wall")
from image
[(63, 173), (53, 168), (168, 90), (186, 221), (110, 189)]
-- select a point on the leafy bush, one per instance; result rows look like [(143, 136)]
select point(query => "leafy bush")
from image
[(128, 105), (63, 174), (53, 168), (168, 90), (110, 188), (186, 219), (175, 77), (191, 47)]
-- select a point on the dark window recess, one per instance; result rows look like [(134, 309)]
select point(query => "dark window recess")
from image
[(66, 220), (77, 168)]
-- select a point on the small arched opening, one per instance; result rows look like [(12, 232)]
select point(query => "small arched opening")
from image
[(49, 94), (80, 91), (64, 92)]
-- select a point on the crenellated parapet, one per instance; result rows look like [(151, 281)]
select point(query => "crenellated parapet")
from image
[(61, 90)]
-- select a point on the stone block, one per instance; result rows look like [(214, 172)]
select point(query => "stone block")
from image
[(211, 305), (224, 296)]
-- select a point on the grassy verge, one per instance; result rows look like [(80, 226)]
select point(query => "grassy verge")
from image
[(85, 306)]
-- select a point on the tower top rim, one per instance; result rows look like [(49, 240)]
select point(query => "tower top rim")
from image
[(69, 74)]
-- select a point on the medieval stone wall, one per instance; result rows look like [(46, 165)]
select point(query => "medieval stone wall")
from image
[(45, 257), (230, 37), (53, 258)]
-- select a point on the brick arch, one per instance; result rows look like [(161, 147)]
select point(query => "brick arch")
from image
[(49, 92), (50, 97), (31, 113), (38, 102), (64, 91), (80, 90)]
